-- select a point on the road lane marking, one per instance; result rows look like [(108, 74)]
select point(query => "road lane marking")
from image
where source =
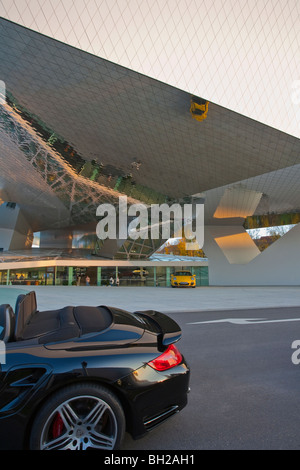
[(244, 321)]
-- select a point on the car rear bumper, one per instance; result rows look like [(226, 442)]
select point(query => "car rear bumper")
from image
[(154, 397)]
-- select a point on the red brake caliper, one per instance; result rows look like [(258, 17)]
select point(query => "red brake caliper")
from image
[(57, 426)]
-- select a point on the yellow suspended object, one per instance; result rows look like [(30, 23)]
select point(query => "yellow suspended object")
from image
[(199, 109)]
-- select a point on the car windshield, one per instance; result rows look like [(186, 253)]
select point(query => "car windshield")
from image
[(183, 273)]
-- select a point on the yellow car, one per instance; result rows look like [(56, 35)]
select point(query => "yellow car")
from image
[(183, 279), (140, 272)]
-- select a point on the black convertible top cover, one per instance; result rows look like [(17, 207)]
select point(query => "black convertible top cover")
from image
[(68, 322)]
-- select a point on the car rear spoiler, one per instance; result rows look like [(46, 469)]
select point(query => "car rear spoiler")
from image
[(168, 330)]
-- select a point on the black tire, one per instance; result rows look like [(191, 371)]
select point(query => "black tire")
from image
[(79, 417)]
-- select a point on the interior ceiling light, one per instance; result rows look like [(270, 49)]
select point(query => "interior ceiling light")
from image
[(199, 108), (136, 165)]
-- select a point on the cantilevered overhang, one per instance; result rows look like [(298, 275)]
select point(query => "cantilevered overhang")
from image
[(123, 131)]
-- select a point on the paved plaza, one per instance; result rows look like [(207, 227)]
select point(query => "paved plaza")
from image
[(158, 298)]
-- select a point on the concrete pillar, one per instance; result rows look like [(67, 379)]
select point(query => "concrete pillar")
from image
[(99, 276), (168, 276), (70, 275), (15, 232), (277, 265)]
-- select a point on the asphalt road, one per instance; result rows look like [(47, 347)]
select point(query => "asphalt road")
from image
[(245, 389)]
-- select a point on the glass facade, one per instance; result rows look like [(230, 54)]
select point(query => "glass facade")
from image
[(124, 276), (46, 276)]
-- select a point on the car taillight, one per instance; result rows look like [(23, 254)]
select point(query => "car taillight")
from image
[(170, 358)]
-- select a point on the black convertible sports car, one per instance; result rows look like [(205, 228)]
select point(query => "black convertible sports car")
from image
[(79, 377)]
